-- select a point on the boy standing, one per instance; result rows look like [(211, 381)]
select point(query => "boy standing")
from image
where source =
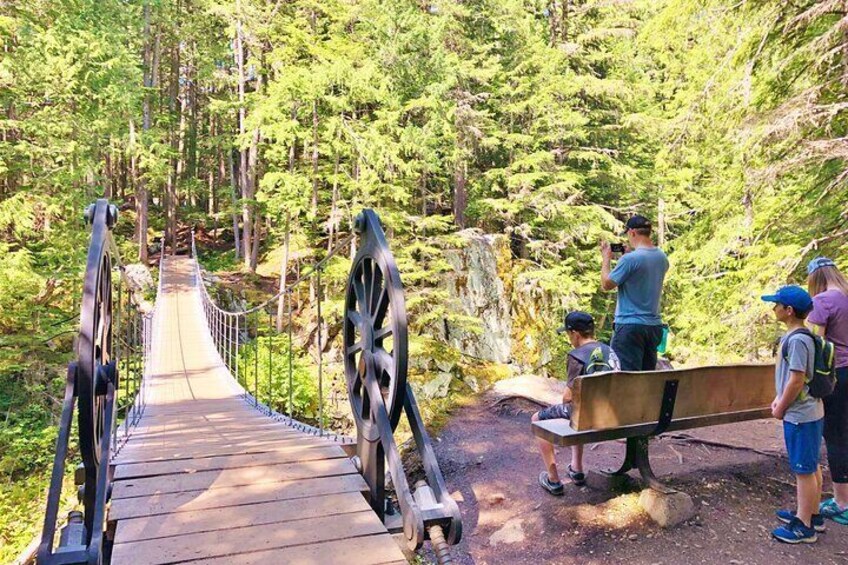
[(802, 414), (588, 356)]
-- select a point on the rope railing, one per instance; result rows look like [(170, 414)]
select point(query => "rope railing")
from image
[(237, 336)]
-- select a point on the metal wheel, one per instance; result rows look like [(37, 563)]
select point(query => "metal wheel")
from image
[(95, 344), (375, 327)]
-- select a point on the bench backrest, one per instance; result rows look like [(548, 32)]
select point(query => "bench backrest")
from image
[(610, 400)]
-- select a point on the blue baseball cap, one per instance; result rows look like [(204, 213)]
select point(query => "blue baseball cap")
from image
[(818, 263), (791, 295)]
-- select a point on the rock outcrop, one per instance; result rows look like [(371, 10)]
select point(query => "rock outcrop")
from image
[(514, 317)]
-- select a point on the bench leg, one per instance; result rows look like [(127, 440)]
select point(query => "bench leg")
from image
[(636, 457)]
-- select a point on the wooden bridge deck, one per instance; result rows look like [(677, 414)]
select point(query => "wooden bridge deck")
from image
[(206, 478)]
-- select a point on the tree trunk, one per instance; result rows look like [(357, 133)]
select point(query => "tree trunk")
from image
[(460, 194), (333, 222), (294, 142), (284, 269), (175, 108), (244, 173), (315, 158), (257, 236), (234, 186)]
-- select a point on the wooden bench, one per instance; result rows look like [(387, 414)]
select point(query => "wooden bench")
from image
[(638, 405)]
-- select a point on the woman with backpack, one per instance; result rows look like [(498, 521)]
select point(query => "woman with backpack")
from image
[(829, 318)]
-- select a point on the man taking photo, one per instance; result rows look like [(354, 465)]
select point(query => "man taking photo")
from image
[(639, 276)]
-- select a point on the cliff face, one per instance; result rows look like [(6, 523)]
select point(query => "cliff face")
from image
[(511, 318)]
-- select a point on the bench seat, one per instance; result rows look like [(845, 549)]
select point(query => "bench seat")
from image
[(559, 432)]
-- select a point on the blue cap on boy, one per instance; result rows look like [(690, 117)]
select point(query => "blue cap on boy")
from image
[(791, 295)]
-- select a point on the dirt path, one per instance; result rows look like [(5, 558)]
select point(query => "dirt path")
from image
[(488, 456)]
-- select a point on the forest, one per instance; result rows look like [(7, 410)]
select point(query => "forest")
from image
[(546, 122)]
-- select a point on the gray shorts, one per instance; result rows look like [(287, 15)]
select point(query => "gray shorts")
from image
[(556, 411)]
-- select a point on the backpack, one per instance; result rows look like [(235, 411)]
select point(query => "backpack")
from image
[(823, 380), (597, 362)]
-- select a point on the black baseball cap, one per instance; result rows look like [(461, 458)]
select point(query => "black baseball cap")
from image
[(636, 222), (578, 321)]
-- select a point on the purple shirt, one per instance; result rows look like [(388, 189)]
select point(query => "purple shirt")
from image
[(830, 310)]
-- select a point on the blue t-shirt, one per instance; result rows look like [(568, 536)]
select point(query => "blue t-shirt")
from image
[(639, 276)]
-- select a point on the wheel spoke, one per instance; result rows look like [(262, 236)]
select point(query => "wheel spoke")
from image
[(355, 318), (376, 286), (367, 285), (355, 348), (381, 306), (359, 289), (382, 332)]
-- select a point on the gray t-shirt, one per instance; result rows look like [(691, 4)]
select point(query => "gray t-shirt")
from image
[(800, 356)]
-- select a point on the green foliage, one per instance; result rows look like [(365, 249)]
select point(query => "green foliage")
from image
[(550, 127), (270, 355)]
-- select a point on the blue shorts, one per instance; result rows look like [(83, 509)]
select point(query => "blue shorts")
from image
[(803, 444)]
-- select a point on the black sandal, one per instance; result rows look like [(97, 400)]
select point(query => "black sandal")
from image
[(576, 477)]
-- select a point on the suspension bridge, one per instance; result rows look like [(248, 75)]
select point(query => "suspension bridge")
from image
[(185, 456)]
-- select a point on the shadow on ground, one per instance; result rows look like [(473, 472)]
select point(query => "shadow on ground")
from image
[(736, 474)]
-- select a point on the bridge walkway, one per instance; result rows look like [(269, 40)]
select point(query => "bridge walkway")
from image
[(206, 478)]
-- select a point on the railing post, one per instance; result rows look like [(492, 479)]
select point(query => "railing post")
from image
[(291, 368), (320, 359), (256, 363), (270, 361)]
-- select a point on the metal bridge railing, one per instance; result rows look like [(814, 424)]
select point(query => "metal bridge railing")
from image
[(107, 386), (237, 336)]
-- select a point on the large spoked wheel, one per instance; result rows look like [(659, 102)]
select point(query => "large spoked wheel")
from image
[(95, 349), (375, 328)]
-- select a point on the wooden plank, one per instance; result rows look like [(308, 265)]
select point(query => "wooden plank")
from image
[(286, 454), (367, 550), (200, 437), (559, 432), (139, 454), (232, 477), (611, 400), (233, 496), (181, 523), (220, 408), (251, 538), (236, 427)]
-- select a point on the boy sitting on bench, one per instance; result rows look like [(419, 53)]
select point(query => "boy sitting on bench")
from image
[(588, 356)]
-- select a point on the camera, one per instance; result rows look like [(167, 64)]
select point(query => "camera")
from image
[(617, 247)]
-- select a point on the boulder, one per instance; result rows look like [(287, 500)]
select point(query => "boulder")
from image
[(541, 390), (139, 278), (438, 386), (667, 510)]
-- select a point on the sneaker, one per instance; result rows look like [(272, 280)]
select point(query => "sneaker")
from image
[(786, 516), (554, 488), (795, 532), (578, 478), (830, 509)]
